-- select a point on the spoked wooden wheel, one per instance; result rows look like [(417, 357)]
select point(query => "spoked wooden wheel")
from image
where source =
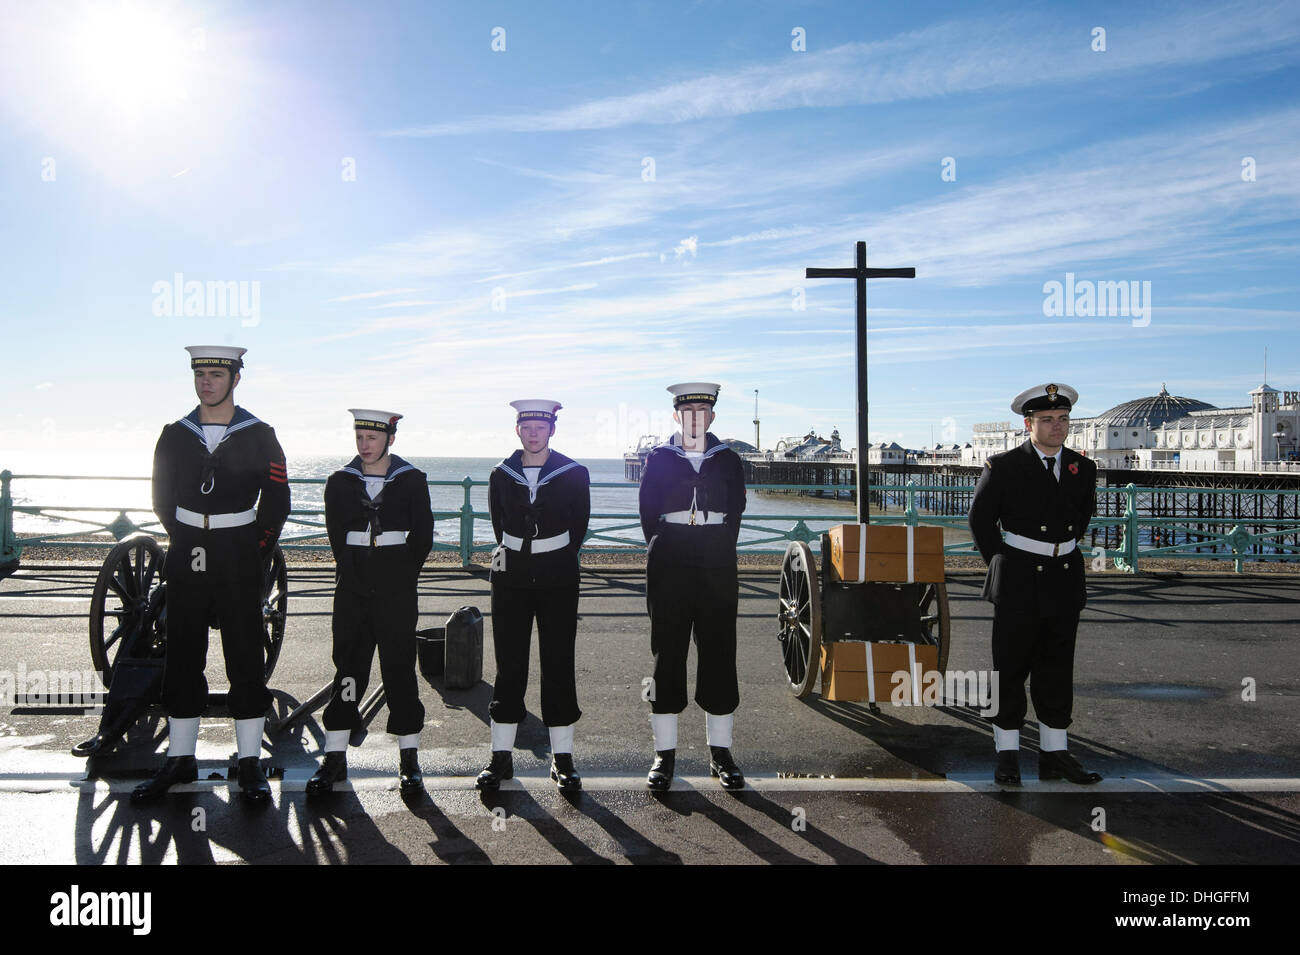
[(799, 619), (275, 603), (936, 626), (124, 606)]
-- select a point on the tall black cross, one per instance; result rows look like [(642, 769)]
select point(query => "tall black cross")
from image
[(861, 273)]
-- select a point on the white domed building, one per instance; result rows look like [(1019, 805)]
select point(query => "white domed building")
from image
[(1169, 432)]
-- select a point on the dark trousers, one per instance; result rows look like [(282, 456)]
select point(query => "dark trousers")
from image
[(1040, 649), (683, 599), (229, 590), (556, 610), (362, 623)]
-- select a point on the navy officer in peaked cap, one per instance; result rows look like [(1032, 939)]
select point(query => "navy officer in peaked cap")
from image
[(380, 527), (1043, 496), (221, 491), (691, 498), (540, 502)]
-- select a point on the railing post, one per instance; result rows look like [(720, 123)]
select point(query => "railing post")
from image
[(10, 548), (466, 524), (1131, 527), (909, 512)]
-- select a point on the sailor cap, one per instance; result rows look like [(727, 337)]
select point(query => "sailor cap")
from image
[(368, 419), (694, 391), (533, 409), (1049, 397), (216, 356)]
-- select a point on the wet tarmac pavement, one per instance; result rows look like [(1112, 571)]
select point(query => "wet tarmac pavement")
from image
[(1186, 693)]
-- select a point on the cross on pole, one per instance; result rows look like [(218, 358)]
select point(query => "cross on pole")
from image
[(861, 273)]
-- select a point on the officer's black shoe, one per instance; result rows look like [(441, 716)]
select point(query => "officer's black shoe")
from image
[(661, 773), (562, 771), (333, 769), (501, 767), (724, 767), (177, 770), (1008, 771), (408, 770), (252, 781), (1054, 765)]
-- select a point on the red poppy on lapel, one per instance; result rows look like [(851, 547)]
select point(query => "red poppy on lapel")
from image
[(1074, 467)]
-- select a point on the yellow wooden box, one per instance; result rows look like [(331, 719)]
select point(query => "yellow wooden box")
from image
[(846, 676), (886, 558)]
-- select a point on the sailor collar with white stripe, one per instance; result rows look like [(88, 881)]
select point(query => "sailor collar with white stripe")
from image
[(239, 420), (396, 466), (711, 445), (556, 464)]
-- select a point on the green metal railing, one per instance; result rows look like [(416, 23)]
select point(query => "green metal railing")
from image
[(1203, 537)]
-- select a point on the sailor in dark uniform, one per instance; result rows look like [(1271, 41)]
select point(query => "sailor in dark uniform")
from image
[(692, 495), (1043, 495), (380, 528), (540, 502), (221, 491)]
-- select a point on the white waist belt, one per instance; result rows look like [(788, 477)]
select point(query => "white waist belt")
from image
[(684, 517), (215, 521), (1039, 547), (540, 544), (385, 539)]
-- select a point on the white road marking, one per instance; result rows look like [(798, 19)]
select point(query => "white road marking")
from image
[(296, 781)]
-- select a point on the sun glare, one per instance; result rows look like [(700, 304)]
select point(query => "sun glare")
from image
[(134, 60)]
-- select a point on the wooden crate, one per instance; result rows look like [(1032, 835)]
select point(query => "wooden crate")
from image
[(846, 675), (894, 553)]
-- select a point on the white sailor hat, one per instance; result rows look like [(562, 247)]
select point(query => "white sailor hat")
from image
[(1049, 397), (368, 419), (216, 356), (692, 391), (531, 409)]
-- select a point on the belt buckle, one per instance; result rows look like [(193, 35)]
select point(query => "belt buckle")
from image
[(205, 522), (1055, 547), (692, 516), (374, 541)]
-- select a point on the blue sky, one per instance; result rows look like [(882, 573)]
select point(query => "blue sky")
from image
[(437, 227)]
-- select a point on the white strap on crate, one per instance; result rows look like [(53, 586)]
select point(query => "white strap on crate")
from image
[(384, 539), (541, 545), (871, 677), (862, 554), (215, 521)]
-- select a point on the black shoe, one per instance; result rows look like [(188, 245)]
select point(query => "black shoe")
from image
[(252, 781), (501, 767), (1054, 765), (661, 773), (333, 769), (562, 771), (408, 772), (1008, 771), (724, 767), (177, 770)]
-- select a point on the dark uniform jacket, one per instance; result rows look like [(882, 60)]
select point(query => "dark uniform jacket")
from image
[(669, 483), (1016, 491), (403, 505), (563, 504), (246, 469)]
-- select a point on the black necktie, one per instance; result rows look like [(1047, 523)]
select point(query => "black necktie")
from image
[(1050, 462)]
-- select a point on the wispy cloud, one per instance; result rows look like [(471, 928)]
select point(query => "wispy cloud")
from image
[(1014, 51), (363, 295)]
